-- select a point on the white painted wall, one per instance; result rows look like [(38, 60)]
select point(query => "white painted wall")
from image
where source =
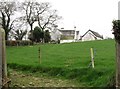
[(55, 35), (67, 41), (90, 36)]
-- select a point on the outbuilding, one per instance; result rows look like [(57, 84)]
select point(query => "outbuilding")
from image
[(91, 35)]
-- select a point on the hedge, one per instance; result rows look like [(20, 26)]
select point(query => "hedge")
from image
[(18, 43)]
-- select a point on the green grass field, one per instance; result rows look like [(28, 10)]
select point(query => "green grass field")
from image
[(69, 61)]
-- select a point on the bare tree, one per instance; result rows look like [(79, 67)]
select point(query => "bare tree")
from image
[(41, 13), (19, 34), (29, 13), (7, 9), (32, 9), (19, 29), (48, 19)]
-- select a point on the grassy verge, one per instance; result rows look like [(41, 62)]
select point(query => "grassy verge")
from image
[(27, 79), (84, 76)]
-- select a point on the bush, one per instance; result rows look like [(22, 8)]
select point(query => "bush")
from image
[(11, 43), (116, 30), (47, 36), (19, 43)]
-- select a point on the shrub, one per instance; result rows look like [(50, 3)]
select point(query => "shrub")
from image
[(11, 43), (19, 43), (116, 30)]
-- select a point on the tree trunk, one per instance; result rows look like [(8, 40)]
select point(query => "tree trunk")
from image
[(31, 26), (118, 64), (6, 37)]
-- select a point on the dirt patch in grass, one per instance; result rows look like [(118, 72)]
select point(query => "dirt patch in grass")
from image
[(20, 79)]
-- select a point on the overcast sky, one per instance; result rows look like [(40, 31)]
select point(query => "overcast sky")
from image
[(96, 15)]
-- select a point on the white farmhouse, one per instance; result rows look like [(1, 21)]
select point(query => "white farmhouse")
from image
[(64, 36), (55, 35), (91, 35)]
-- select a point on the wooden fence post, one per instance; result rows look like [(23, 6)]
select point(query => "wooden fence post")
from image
[(118, 65), (39, 55), (92, 57), (3, 70), (0, 59), (117, 52)]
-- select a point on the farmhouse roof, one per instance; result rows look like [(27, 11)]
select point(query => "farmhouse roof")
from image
[(95, 33)]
